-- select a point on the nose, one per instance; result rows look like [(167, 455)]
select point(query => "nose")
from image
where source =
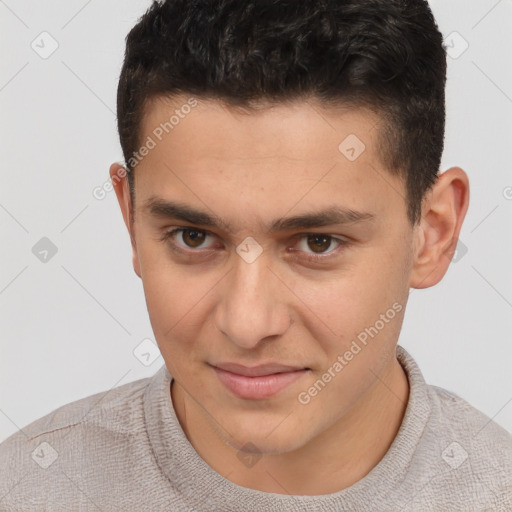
[(253, 306)]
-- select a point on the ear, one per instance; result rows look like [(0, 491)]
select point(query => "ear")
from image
[(118, 176), (437, 234)]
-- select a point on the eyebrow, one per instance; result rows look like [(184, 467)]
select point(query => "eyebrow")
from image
[(329, 216)]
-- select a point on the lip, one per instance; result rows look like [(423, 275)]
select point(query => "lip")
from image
[(257, 382)]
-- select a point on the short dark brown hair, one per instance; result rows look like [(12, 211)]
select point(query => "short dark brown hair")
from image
[(385, 55)]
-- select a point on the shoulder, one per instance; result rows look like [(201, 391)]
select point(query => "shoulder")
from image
[(458, 455), (87, 428), (456, 415), (111, 407), (449, 417), (472, 447)]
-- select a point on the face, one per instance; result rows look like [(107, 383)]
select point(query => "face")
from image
[(275, 254)]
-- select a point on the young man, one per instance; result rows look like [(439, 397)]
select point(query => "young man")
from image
[(282, 195)]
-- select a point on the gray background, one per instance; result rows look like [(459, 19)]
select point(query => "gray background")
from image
[(70, 324)]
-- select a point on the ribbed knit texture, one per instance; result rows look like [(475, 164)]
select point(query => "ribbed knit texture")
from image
[(124, 450)]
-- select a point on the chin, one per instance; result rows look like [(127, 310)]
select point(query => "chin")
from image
[(264, 446), (269, 436)]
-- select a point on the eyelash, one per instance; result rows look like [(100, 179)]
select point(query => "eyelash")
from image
[(168, 236)]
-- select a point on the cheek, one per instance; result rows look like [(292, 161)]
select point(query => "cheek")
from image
[(174, 295), (338, 307)]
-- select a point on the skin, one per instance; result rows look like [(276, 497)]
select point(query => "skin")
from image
[(208, 305)]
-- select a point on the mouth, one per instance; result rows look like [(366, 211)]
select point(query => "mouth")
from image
[(257, 382)]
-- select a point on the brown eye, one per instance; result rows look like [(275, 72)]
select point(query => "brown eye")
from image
[(193, 238), (319, 243), (318, 247)]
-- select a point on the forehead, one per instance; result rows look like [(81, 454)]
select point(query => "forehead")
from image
[(262, 162), (299, 129)]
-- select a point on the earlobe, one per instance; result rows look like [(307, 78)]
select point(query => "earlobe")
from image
[(437, 234), (118, 176)]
